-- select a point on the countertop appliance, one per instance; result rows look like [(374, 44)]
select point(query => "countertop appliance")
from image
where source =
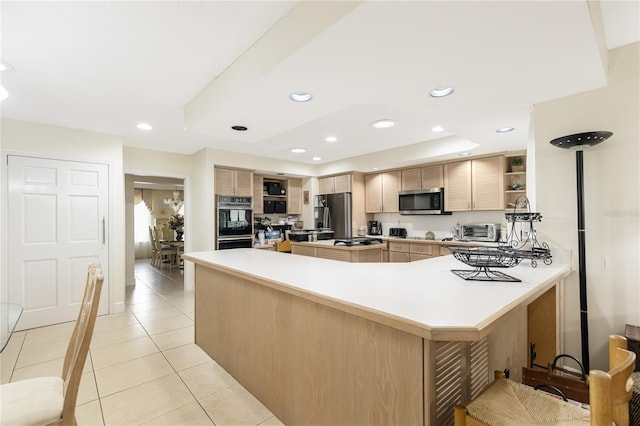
[(357, 241), (480, 232), (273, 188), (374, 228), (398, 232), (234, 218), (333, 211), (422, 201)]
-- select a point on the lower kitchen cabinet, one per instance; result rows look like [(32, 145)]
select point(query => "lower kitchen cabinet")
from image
[(405, 251), (399, 251)]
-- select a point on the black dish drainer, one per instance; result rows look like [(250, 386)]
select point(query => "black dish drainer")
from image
[(507, 254)]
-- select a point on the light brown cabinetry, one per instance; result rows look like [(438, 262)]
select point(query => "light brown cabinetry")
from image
[(398, 251), (334, 184), (401, 251), (233, 182), (420, 251), (258, 206), (294, 196), (423, 177), (474, 184), (381, 192), (515, 178)]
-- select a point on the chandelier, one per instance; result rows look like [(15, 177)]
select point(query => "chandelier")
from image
[(175, 202)]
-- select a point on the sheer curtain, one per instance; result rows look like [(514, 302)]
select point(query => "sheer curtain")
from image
[(141, 221)]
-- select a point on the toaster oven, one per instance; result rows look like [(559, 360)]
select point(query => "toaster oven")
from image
[(480, 232)]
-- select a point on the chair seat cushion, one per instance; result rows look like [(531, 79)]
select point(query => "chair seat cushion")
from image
[(31, 402), (509, 403)]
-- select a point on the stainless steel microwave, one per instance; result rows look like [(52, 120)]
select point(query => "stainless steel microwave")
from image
[(422, 201)]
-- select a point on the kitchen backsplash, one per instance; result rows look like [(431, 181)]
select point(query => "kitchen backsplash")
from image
[(418, 225)]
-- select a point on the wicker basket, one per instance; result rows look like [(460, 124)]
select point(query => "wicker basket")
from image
[(634, 404), (632, 333)]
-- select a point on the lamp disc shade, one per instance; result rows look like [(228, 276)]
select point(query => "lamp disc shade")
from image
[(579, 140)]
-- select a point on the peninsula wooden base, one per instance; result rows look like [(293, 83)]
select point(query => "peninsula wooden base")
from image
[(309, 364), (315, 364)]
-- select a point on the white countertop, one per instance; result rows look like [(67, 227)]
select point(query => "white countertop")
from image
[(425, 294)]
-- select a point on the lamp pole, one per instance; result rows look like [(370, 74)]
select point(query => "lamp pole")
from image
[(579, 142)]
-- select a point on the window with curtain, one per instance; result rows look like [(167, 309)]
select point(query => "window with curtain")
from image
[(142, 219)]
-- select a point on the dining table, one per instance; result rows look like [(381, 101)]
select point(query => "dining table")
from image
[(179, 246)]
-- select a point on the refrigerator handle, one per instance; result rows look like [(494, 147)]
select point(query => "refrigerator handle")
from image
[(326, 220)]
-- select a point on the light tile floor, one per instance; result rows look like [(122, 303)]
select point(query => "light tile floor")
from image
[(143, 367)]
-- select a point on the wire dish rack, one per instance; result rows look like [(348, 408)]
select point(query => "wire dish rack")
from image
[(518, 247), (483, 258)]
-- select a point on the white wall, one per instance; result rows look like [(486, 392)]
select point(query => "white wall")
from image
[(144, 162), (198, 172), (20, 137), (612, 200)]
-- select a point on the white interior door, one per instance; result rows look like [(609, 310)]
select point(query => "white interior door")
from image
[(57, 217)]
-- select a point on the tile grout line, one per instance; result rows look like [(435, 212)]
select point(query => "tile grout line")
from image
[(169, 362), (95, 380)]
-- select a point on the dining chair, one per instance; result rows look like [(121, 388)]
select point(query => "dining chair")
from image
[(52, 400), (164, 252), (154, 250), (505, 402)]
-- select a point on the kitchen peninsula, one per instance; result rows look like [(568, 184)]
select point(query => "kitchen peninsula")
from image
[(325, 342)]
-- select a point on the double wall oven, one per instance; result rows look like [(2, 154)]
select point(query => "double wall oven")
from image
[(234, 218)]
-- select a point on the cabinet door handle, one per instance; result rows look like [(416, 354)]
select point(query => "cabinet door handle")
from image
[(103, 231)]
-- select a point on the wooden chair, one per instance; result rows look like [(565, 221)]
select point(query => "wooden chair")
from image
[(161, 252), (52, 400), (154, 252), (505, 402)]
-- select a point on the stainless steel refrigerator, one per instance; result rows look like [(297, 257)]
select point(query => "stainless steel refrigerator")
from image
[(333, 211)]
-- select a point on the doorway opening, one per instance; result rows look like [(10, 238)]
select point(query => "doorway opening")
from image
[(158, 222)]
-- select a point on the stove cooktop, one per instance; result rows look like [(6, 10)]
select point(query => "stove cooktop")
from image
[(357, 240)]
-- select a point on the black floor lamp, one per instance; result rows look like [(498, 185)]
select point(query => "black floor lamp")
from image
[(579, 142)]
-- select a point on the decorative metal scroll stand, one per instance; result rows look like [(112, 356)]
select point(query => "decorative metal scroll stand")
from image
[(506, 255)]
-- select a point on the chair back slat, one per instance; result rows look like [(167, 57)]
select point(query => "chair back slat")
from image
[(610, 392), (80, 340)]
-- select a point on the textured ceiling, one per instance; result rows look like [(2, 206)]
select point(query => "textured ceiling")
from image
[(193, 69)]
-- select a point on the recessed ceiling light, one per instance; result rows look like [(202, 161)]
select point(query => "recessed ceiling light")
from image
[(317, 158), (239, 128), (301, 97), (374, 168), (144, 126), (464, 154), (437, 129), (298, 150), (441, 91), (331, 139), (383, 124), (504, 130), (3, 93)]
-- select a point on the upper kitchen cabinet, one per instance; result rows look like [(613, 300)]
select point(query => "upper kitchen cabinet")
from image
[(515, 178), (294, 196), (423, 177), (476, 184), (258, 194), (334, 184), (381, 192), (233, 182)]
